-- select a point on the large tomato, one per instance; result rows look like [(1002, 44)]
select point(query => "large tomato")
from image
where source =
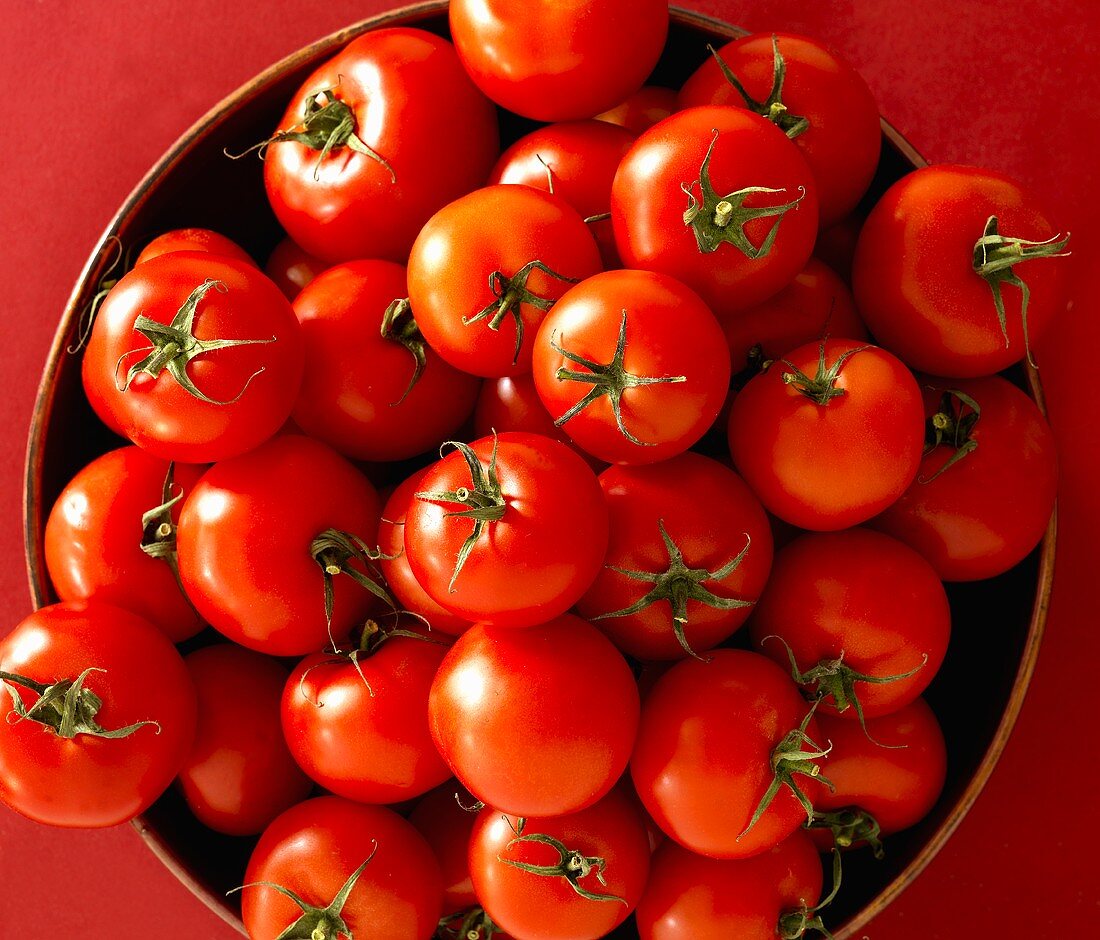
[(193, 239), (291, 268), (640, 111), (353, 170)]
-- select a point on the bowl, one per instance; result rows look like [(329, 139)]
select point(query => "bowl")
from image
[(194, 184)]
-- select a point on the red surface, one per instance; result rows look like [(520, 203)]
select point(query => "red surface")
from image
[(95, 92)]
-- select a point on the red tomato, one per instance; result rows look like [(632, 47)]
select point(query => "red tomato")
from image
[(194, 357), (602, 854), (554, 61), (936, 253), (830, 435), (97, 543), (315, 848), (485, 270), (535, 722), (441, 819), (248, 551), (511, 403), (709, 747), (239, 774), (860, 604), (537, 540), (713, 525), (632, 366), (193, 239), (115, 672), (813, 95), (751, 227), (985, 491), (291, 268), (397, 93), (641, 110), (836, 245), (372, 387)]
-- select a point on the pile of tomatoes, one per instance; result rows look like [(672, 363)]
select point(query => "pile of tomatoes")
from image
[(482, 476)]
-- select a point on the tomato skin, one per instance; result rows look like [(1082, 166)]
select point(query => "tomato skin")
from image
[(538, 907), (914, 279), (836, 245), (690, 897), (244, 538), (92, 540), (406, 89), (862, 594), (556, 731), (844, 138), (960, 521), (90, 782), (828, 467), (641, 110), (193, 239), (315, 846), (158, 414), (239, 774), (708, 511), (353, 395), (291, 268), (705, 740), (446, 826), (552, 61)]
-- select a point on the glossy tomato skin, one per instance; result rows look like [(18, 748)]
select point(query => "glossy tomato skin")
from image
[(256, 383), (355, 392), (552, 61), (315, 846), (705, 742), (193, 239), (862, 594), (458, 252), (710, 514), (987, 511), (291, 268), (406, 89), (537, 559), (914, 278), (690, 897), (670, 333), (244, 545), (547, 908), (535, 722), (828, 467), (239, 774), (641, 110), (88, 782), (648, 205), (440, 818), (93, 535), (844, 136)]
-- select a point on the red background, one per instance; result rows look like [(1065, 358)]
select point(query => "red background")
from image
[(95, 92)]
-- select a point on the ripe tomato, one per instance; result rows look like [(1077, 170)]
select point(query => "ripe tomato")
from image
[(239, 774), (813, 95), (352, 171), (315, 849), (444, 822), (987, 481), (97, 542), (836, 245), (641, 110), (632, 366), (511, 530), (830, 435), (751, 228), (553, 61), (193, 239), (372, 387), (942, 273), (194, 357), (674, 525), (713, 738), (106, 671), (858, 603), (249, 550), (486, 268), (598, 861), (535, 722), (291, 268)]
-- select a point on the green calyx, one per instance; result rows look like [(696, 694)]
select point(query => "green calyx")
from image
[(995, 256), (952, 426), (158, 529), (174, 345), (316, 923), (510, 293), (851, 826), (399, 326), (571, 865), (771, 107), (793, 925), (470, 924), (716, 219), (610, 379), (66, 707), (821, 388), (678, 584), (337, 553)]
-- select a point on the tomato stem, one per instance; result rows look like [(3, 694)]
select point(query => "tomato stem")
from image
[(334, 551), (822, 387), (771, 107), (470, 924), (158, 529), (399, 326), (571, 865), (851, 826), (952, 426)]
